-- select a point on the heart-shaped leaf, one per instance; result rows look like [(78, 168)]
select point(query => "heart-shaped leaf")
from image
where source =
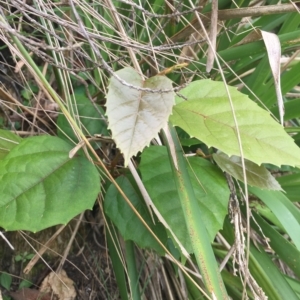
[(209, 185), (136, 116), (207, 115), (257, 176), (40, 186)]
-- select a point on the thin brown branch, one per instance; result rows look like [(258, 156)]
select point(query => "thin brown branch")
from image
[(237, 13)]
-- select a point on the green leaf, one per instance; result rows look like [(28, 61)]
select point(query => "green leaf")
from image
[(124, 218), (292, 109), (234, 286), (268, 276), (284, 210), (209, 185), (294, 283), (207, 115), (135, 117), (265, 212), (257, 176), (289, 80), (25, 284), (90, 116), (114, 248), (291, 185), (41, 186), (196, 227), (286, 251), (5, 280), (8, 141)]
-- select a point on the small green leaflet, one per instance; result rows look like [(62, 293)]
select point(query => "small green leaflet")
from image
[(207, 115)]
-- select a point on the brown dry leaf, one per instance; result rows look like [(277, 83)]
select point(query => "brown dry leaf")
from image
[(29, 294), (60, 285)]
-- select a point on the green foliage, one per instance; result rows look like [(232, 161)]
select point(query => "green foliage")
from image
[(8, 141), (90, 117), (129, 225), (287, 214), (39, 180), (282, 247), (291, 185), (256, 175), (268, 276), (208, 183), (208, 116), (5, 280), (24, 256), (230, 120), (25, 284)]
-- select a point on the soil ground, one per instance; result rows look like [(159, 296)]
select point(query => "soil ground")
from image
[(87, 265)]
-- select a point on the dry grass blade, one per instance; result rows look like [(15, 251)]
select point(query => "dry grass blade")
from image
[(238, 249), (274, 54), (212, 36)]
